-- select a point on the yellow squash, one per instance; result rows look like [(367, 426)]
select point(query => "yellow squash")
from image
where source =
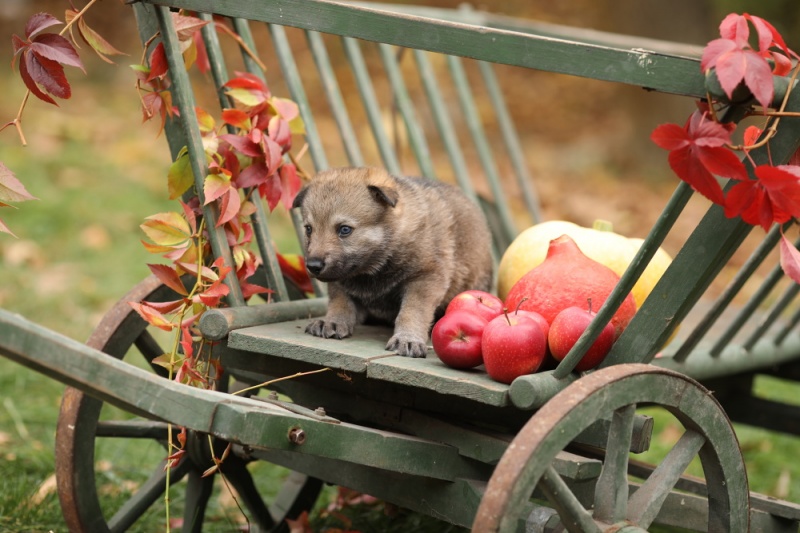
[(599, 243)]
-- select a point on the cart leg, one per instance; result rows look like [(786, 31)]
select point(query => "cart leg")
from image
[(618, 503), (86, 430)]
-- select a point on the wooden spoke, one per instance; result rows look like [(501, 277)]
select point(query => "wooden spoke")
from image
[(150, 491), (198, 492), (150, 349), (573, 515), (614, 393), (133, 429), (611, 494), (81, 426), (646, 502), (237, 475)]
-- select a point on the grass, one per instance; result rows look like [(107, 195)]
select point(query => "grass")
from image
[(78, 251)]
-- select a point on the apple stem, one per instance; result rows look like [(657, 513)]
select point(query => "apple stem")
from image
[(519, 304), (505, 312), (589, 301)]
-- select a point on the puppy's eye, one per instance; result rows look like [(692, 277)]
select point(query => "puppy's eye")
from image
[(308, 231), (345, 231)]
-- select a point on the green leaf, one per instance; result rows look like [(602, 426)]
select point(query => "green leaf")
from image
[(167, 229), (245, 97), (180, 176)]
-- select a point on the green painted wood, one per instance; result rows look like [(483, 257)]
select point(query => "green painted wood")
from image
[(734, 359), (291, 76), (649, 499), (724, 300), (611, 493), (364, 353), (402, 101), (222, 415), (655, 237), (444, 123), (215, 324), (695, 266), (471, 114), (511, 140), (184, 99), (369, 100), (147, 24), (431, 373), (334, 95), (637, 67), (775, 313), (219, 74), (534, 390)]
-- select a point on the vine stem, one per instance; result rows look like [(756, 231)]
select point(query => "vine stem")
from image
[(284, 378)]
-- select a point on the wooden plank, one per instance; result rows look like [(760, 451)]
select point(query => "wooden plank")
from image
[(364, 353), (430, 373), (289, 339), (643, 68)]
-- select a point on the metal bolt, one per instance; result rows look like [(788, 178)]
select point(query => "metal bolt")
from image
[(297, 436), (320, 411), (273, 395)]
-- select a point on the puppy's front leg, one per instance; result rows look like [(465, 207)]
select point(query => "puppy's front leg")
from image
[(416, 315), (341, 318)]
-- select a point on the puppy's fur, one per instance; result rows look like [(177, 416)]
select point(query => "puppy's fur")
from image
[(395, 249)]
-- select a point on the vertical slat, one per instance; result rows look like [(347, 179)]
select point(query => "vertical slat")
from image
[(790, 325), (649, 247), (747, 311), (444, 124), (367, 92), (415, 134), (338, 108), (784, 301), (470, 111), (292, 77), (511, 139), (723, 301), (182, 93), (219, 73)]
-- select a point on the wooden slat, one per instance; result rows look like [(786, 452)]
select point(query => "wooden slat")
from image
[(637, 67), (364, 353)]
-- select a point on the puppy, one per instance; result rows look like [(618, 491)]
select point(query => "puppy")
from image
[(395, 249)]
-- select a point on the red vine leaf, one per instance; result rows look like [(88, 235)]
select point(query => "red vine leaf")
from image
[(168, 277), (158, 63), (152, 316), (698, 153), (772, 198), (42, 57), (790, 259)]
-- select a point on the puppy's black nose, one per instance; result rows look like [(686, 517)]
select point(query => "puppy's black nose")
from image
[(315, 265)]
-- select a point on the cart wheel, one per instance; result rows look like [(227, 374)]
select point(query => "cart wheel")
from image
[(616, 391), (88, 429)]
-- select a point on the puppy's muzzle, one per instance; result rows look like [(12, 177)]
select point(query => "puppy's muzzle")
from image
[(315, 265)]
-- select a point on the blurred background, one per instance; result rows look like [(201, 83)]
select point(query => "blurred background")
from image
[(98, 172)]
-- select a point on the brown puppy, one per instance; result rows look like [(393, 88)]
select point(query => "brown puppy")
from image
[(392, 249)]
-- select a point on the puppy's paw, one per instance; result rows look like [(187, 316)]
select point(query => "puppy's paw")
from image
[(330, 329), (407, 345)]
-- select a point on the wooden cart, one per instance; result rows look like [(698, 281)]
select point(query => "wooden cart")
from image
[(547, 453)]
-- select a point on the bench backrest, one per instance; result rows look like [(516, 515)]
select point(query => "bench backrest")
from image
[(448, 58)]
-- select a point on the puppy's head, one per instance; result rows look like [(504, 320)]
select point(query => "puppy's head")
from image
[(347, 221)]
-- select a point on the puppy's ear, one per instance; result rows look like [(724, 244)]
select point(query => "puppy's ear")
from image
[(298, 200), (384, 195)]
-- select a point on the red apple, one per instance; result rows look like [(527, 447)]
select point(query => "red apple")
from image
[(536, 317), (456, 339), (568, 326), (513, 345), (478, 302)]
